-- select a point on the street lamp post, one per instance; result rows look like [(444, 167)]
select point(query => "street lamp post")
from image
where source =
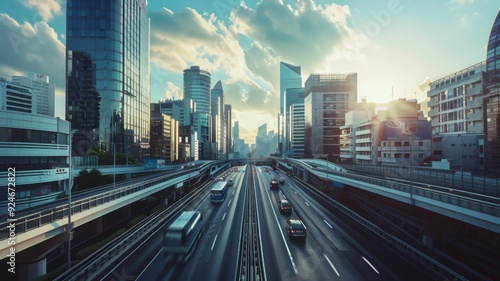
[(114, 147), (411, 174), (461, 161), (70, 185)]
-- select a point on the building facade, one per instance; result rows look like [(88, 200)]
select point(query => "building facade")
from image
[(164, 137), (327, 98), (229, 122), (290, 77), (197, 86), (219, 120), (292, 96), (492, 99), (107, 82), (297, 131), (44, 90), (37, 148), (456, 102)]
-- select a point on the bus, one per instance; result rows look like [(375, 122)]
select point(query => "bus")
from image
[(180, 238), (218, 192)]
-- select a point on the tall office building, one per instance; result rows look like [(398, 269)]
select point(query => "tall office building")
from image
[(107, 68), (229, 121), (44, 90), (327, 98), (289, 78), (292, 96), (297, 130), (197, 86), (219, 120), (492, 99)]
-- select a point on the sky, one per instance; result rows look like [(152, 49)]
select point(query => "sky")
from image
[(397, 47)]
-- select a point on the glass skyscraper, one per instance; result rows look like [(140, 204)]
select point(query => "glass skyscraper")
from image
[(492, 98), (290, 77), (107, 68), (197, 86)]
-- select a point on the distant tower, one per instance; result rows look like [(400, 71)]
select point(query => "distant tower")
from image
[(290, 77)]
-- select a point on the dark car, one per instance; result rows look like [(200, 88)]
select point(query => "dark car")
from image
[(296, 229), (285, 207), (230, 182), (282, 180), (274, 184)]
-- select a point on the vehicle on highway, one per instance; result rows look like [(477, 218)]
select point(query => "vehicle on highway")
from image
[(274, 184), (285, 207), (282, 180), (180, 237), (218, 192), (230, 182), (296, 229)]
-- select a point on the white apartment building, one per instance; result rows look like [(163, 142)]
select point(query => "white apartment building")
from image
[(456, 102)]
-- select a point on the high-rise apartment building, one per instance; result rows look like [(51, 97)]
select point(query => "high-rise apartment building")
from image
[(327, 98), (107, 68), (456, 102)]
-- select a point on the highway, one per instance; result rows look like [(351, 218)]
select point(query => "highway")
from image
[(333, 249)]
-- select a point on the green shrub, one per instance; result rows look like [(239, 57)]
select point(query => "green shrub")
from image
[(87, 251)]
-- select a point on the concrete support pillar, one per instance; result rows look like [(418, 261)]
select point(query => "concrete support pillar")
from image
[(31, 270), (96, 225), (428, 231), (126, 211), (305, 176)]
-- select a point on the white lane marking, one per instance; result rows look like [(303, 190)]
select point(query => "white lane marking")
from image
[(147, 266), (370, 265), (328, 224), (307, 204), (206, 197), (331, 264), (233, 191), (224, 216), (282, 235), (229, 202), (295, 192), (213, 243)]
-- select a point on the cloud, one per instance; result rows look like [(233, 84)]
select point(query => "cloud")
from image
[(179, 40), (34, 48), (305, 35), (424, 85), (45, 8), (173, 92), (462, 2)]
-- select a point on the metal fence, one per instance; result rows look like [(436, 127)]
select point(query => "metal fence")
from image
[(478, 183)]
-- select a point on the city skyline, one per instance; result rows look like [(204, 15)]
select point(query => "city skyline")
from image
[(396, 47)]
